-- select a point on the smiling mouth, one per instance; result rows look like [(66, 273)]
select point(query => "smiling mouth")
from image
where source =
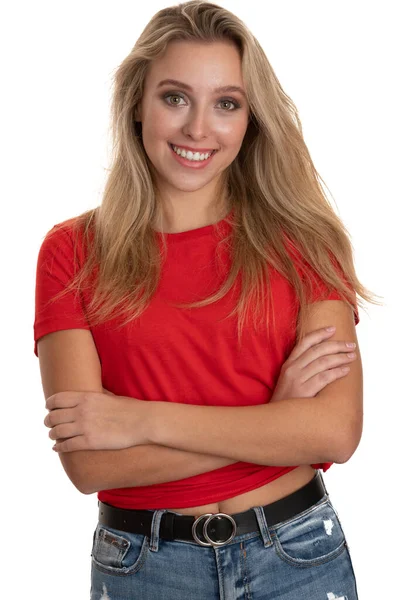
[(193, 151)]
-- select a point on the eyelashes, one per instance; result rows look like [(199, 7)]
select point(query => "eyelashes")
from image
[(236, 104)]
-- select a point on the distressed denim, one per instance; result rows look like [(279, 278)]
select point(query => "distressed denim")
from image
[(303, 558)]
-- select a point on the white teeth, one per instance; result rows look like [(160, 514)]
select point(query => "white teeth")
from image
[(191, 155)]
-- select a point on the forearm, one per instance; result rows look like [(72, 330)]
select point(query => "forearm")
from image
[(95, 470), (291, 432)]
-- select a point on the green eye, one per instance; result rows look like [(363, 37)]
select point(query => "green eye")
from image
[(235, 104)]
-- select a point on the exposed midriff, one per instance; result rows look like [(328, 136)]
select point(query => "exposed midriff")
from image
[(266, 494)]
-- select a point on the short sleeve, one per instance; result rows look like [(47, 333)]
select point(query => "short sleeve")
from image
[(55, 268), (319, 290)]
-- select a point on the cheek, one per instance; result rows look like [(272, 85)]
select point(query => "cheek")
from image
[(231, 134), (157, 130), (158, 122)]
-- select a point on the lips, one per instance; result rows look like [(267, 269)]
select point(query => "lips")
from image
[(193, 151)]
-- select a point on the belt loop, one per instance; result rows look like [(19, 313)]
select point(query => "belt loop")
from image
[(155, 524), (263, 526)]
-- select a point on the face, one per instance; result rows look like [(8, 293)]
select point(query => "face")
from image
[(200, 118)]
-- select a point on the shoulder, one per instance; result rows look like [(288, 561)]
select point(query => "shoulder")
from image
[(61, 247), (62, 236), (63, 230)]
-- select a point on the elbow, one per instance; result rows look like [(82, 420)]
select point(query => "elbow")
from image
[(80, 489), (85, 485), (83, 489), (348, 442), (343, 454), (82, 485), (78, 475)]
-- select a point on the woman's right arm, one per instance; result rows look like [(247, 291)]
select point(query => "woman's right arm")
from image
[(95, 470), (69, 361)]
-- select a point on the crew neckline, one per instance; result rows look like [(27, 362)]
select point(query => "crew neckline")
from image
[(193, 233)]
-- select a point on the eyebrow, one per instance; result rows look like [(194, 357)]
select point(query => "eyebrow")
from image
[(225, 88)]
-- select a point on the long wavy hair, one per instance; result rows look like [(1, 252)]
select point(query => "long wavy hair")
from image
[(272, 186)]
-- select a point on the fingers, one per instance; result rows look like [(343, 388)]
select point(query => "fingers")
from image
[(326, 354), (59, 415), (66, 430), (320, 380), (310, 339), (317, 361), (71, 444), (329, 363), (64, 400), (314, 345), (314, 363)]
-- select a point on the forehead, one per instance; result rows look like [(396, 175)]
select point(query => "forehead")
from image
[(202, 65)]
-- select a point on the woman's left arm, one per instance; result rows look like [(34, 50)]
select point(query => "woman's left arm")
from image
[(326, 428)]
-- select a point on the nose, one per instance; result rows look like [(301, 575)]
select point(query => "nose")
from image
[(197, 125)]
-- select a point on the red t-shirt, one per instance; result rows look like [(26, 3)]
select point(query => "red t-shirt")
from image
[(179, 355)]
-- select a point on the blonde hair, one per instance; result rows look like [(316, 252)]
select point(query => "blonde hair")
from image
[(272, 185)]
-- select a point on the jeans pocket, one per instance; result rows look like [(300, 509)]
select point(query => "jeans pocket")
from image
[(118, 552), (313, 537)]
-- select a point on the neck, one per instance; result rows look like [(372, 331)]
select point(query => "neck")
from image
[(187, 217)]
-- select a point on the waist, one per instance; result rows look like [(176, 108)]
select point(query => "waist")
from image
[(212, 487), (222, 527), (199, 490), (273, 490)]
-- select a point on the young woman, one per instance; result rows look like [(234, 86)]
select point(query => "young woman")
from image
[(181, 330)]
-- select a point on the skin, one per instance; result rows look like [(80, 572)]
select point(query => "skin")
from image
[(200, 119)]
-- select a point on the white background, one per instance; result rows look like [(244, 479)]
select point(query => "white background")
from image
[(337, 60)]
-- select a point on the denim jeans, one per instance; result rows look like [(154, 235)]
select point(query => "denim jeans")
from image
[(303, 558)]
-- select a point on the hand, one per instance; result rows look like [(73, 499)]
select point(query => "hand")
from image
[(312, 364), (95, 421)]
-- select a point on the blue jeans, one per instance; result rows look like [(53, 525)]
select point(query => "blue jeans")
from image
[(303, 558)]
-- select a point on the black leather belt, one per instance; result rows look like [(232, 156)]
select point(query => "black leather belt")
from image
[(210, 529)]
